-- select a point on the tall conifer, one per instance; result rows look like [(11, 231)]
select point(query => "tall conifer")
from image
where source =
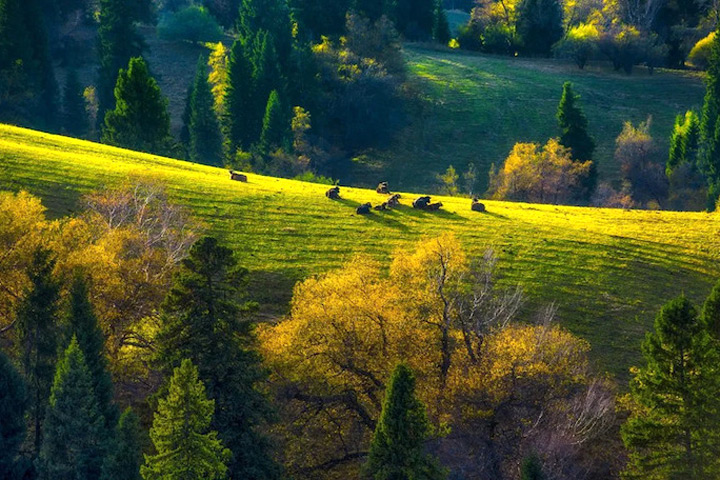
[(186, 446), (202, 321), (240, 102), (13, 398), (574, 133), (397, 451), (276, 125), (124, 456), (38, 331), (75, 119), (75, 437), (203, 129)]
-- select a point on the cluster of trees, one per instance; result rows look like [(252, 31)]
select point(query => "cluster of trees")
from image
[(626, 33), (60, 418), (496, 390), (562, 171)]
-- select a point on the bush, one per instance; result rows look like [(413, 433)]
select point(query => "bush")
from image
[(499, 38), (470, 36), (192, 24), (580, 44), (700, 53)]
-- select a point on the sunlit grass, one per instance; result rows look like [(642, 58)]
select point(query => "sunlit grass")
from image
[(608, 270), (477, 106)]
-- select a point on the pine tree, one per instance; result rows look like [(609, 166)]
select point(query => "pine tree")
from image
[(239, 100), (539, 25), (574, 133), (709, 157), (118, 42), (140, 120), (186, 447), (441, 27), (257, 17), (74, 114), (267, 77), (124, 456), (397, 449), (684, 141), (204, 129), (202, 321), (276, 125), (185, 130), (75, 438), (531, 468), (83, 324), (414, 19), (711, 313), (671, 431), (13, 398), (37, 327)]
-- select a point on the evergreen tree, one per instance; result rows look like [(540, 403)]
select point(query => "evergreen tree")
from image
[(186, 447), (267, 77), (276, 125), (13, 398), (202, 321), (239, 100), (37, 328), (140, 120), (711, 313), (671, 432), (441, 27), (42, 75), (74, 114), (531, 468), (118, 42), (204, 130), (83, 324), (539, 25), (414, 19), (124, 456), (75, 437), (397, 450), (684, 141), (185, 130), (574, 127), (709, 158), (257, 17)]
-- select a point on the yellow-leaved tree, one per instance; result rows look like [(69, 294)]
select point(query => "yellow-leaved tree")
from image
[(494, 388)]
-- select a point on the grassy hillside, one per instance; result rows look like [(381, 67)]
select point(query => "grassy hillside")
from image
[(477, 106), (608, 270)]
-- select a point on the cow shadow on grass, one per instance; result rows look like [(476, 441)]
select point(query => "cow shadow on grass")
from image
[(420, 213), (383, 217)]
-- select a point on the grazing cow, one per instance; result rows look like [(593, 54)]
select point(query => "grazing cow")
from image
[(383, 188), (434, 207), (421, 203), (333, 193), (363, 209), (238, 176), (477, 206), (393, 201), (381, 207)]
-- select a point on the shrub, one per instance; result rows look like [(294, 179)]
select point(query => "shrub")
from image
[(580, 44), (470, 36), (499, 38), (700, 53), (542, 175), (192, 24)]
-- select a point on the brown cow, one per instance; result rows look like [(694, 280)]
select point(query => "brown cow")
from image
[(393, 201), (383, 188), (238, 176), (333, 193), (421, 203), (434, 207), (363, 209), (477, 206)]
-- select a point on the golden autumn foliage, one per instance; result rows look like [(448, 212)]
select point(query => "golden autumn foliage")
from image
[(541, 175), (128, 241), (439, 312)]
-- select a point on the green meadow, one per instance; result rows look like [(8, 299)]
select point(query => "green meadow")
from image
[(475, 107), (607, 270)]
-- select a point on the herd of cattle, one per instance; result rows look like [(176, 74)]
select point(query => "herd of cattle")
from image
[(421, 203)]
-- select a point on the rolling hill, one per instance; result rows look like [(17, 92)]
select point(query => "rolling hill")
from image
[(474, 107), (607, 270)]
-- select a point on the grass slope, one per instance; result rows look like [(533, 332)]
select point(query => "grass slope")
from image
[(607, 270), (477, 106)]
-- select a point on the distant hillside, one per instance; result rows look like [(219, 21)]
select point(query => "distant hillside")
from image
[(607, 270), (475, 107)]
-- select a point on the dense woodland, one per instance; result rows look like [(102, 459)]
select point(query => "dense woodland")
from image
[(132, 345)]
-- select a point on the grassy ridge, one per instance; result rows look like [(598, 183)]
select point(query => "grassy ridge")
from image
[(477, 106), (608, 270)]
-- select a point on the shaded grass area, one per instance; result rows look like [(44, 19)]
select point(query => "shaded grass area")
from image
[(475, 107), (607, 270)]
